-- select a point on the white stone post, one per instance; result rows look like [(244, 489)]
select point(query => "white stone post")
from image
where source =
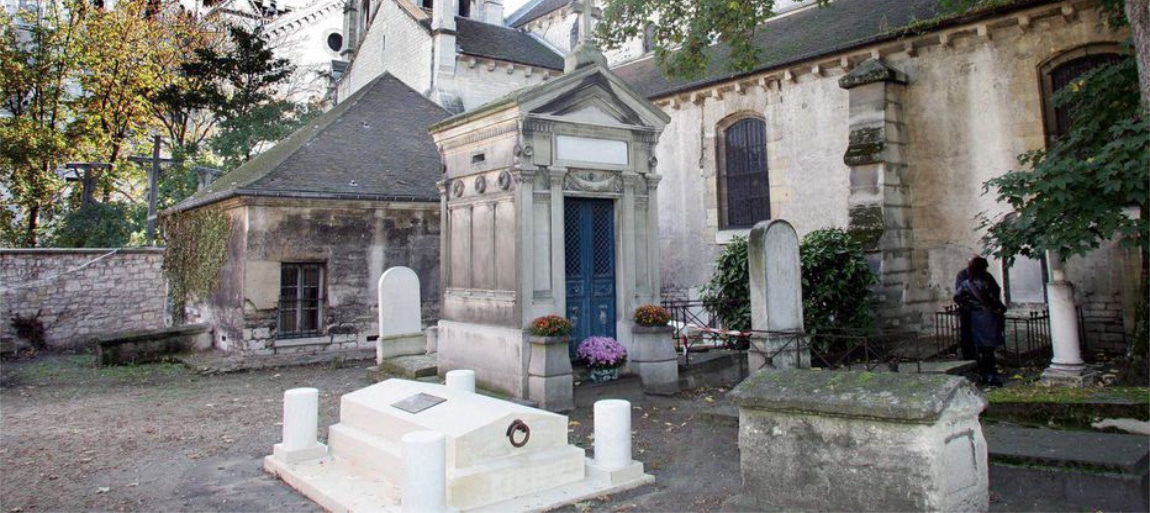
[(461, 379), (612, 434), (1066, 367), (424, 472), (613, 462), (300, 425)]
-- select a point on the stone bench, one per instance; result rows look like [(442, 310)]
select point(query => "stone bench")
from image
[(149, 346)]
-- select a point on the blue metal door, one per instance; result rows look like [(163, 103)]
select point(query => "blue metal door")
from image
[(590, 248)]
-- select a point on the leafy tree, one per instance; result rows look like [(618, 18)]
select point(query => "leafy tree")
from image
[(243, 98), (99, 225), (1078, 193), (685, 29), (40, 52), (75, 85)]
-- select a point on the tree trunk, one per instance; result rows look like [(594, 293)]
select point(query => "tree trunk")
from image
[(30, 231), (1138, 14)]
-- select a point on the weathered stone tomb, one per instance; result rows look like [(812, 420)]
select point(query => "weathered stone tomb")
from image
[(860, 441)]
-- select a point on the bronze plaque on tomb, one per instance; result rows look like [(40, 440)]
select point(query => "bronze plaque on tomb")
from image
[(418, 402)]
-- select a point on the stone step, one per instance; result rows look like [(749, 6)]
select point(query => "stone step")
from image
[(364, 453), (406, 367), (1074, 469)]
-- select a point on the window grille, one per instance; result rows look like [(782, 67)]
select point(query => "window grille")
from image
[(301, 300), (744, 191)]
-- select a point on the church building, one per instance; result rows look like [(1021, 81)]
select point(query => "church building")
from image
[(884, 117)]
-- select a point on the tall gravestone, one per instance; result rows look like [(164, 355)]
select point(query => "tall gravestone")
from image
[(776, 298), (400, 331), (549, 207)]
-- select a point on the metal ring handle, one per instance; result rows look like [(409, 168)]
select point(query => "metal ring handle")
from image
[(515, 427)]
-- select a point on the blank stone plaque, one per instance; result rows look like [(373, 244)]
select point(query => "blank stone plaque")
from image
[(418, 402)]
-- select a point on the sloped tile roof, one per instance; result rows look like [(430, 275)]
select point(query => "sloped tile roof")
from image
[(807, 34), (501, 43), (534, 10), (374, 145)]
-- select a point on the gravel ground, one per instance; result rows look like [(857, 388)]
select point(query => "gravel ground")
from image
[(77, 437)]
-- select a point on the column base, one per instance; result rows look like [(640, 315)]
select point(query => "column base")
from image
[(295, 456), (631, 472), (1068, 375)]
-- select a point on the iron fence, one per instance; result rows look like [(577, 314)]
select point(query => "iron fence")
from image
[(1027, 335)]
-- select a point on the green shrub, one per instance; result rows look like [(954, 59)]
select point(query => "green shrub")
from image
[(835, 281), (835, 278), (728, 292)]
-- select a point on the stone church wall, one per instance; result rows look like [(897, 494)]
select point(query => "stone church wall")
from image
[(394, 43), (972, 104), (480, 81), (79, 294), (355, 241)]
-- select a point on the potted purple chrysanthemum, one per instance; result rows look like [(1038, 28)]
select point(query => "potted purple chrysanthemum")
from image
[(604, 356)]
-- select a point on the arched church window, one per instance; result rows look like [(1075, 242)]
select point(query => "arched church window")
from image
[(427, 4), (744, 193), (1061, 71), (648, 38), (465, 8), (574, 35)]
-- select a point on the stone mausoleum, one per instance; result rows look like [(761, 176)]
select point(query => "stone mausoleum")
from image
[(549, 207)]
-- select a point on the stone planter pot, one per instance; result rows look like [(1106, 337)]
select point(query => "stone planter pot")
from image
[(654, 359), (604, 375), (550, 382)]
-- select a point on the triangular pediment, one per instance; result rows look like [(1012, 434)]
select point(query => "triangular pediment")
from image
[(593, 97)]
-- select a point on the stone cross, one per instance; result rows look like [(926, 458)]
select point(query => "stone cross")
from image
[(586, 21), (584, 53), (776, 296)]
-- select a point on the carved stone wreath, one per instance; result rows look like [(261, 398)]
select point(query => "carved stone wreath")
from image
[(457, 188), (480, 184), (504, 180), (591, 181)]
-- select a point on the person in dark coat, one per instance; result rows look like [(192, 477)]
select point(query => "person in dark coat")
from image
[(966, 340), (980, 294)]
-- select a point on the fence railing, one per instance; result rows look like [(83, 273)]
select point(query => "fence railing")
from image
[(697, 327), (1027, 335)]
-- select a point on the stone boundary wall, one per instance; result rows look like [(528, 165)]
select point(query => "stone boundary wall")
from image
[(79, 294)]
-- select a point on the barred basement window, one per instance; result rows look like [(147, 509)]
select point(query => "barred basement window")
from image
[(744, 194), (301, 300)]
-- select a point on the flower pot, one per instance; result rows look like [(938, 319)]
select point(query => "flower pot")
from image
[(550, 381), (655, 360), (604, 374)]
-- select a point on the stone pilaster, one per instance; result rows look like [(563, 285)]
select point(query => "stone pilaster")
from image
[(879, 200)]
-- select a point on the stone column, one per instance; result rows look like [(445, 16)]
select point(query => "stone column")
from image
[(525, 194), (558, 238), (879, 202), (1066, 367)]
